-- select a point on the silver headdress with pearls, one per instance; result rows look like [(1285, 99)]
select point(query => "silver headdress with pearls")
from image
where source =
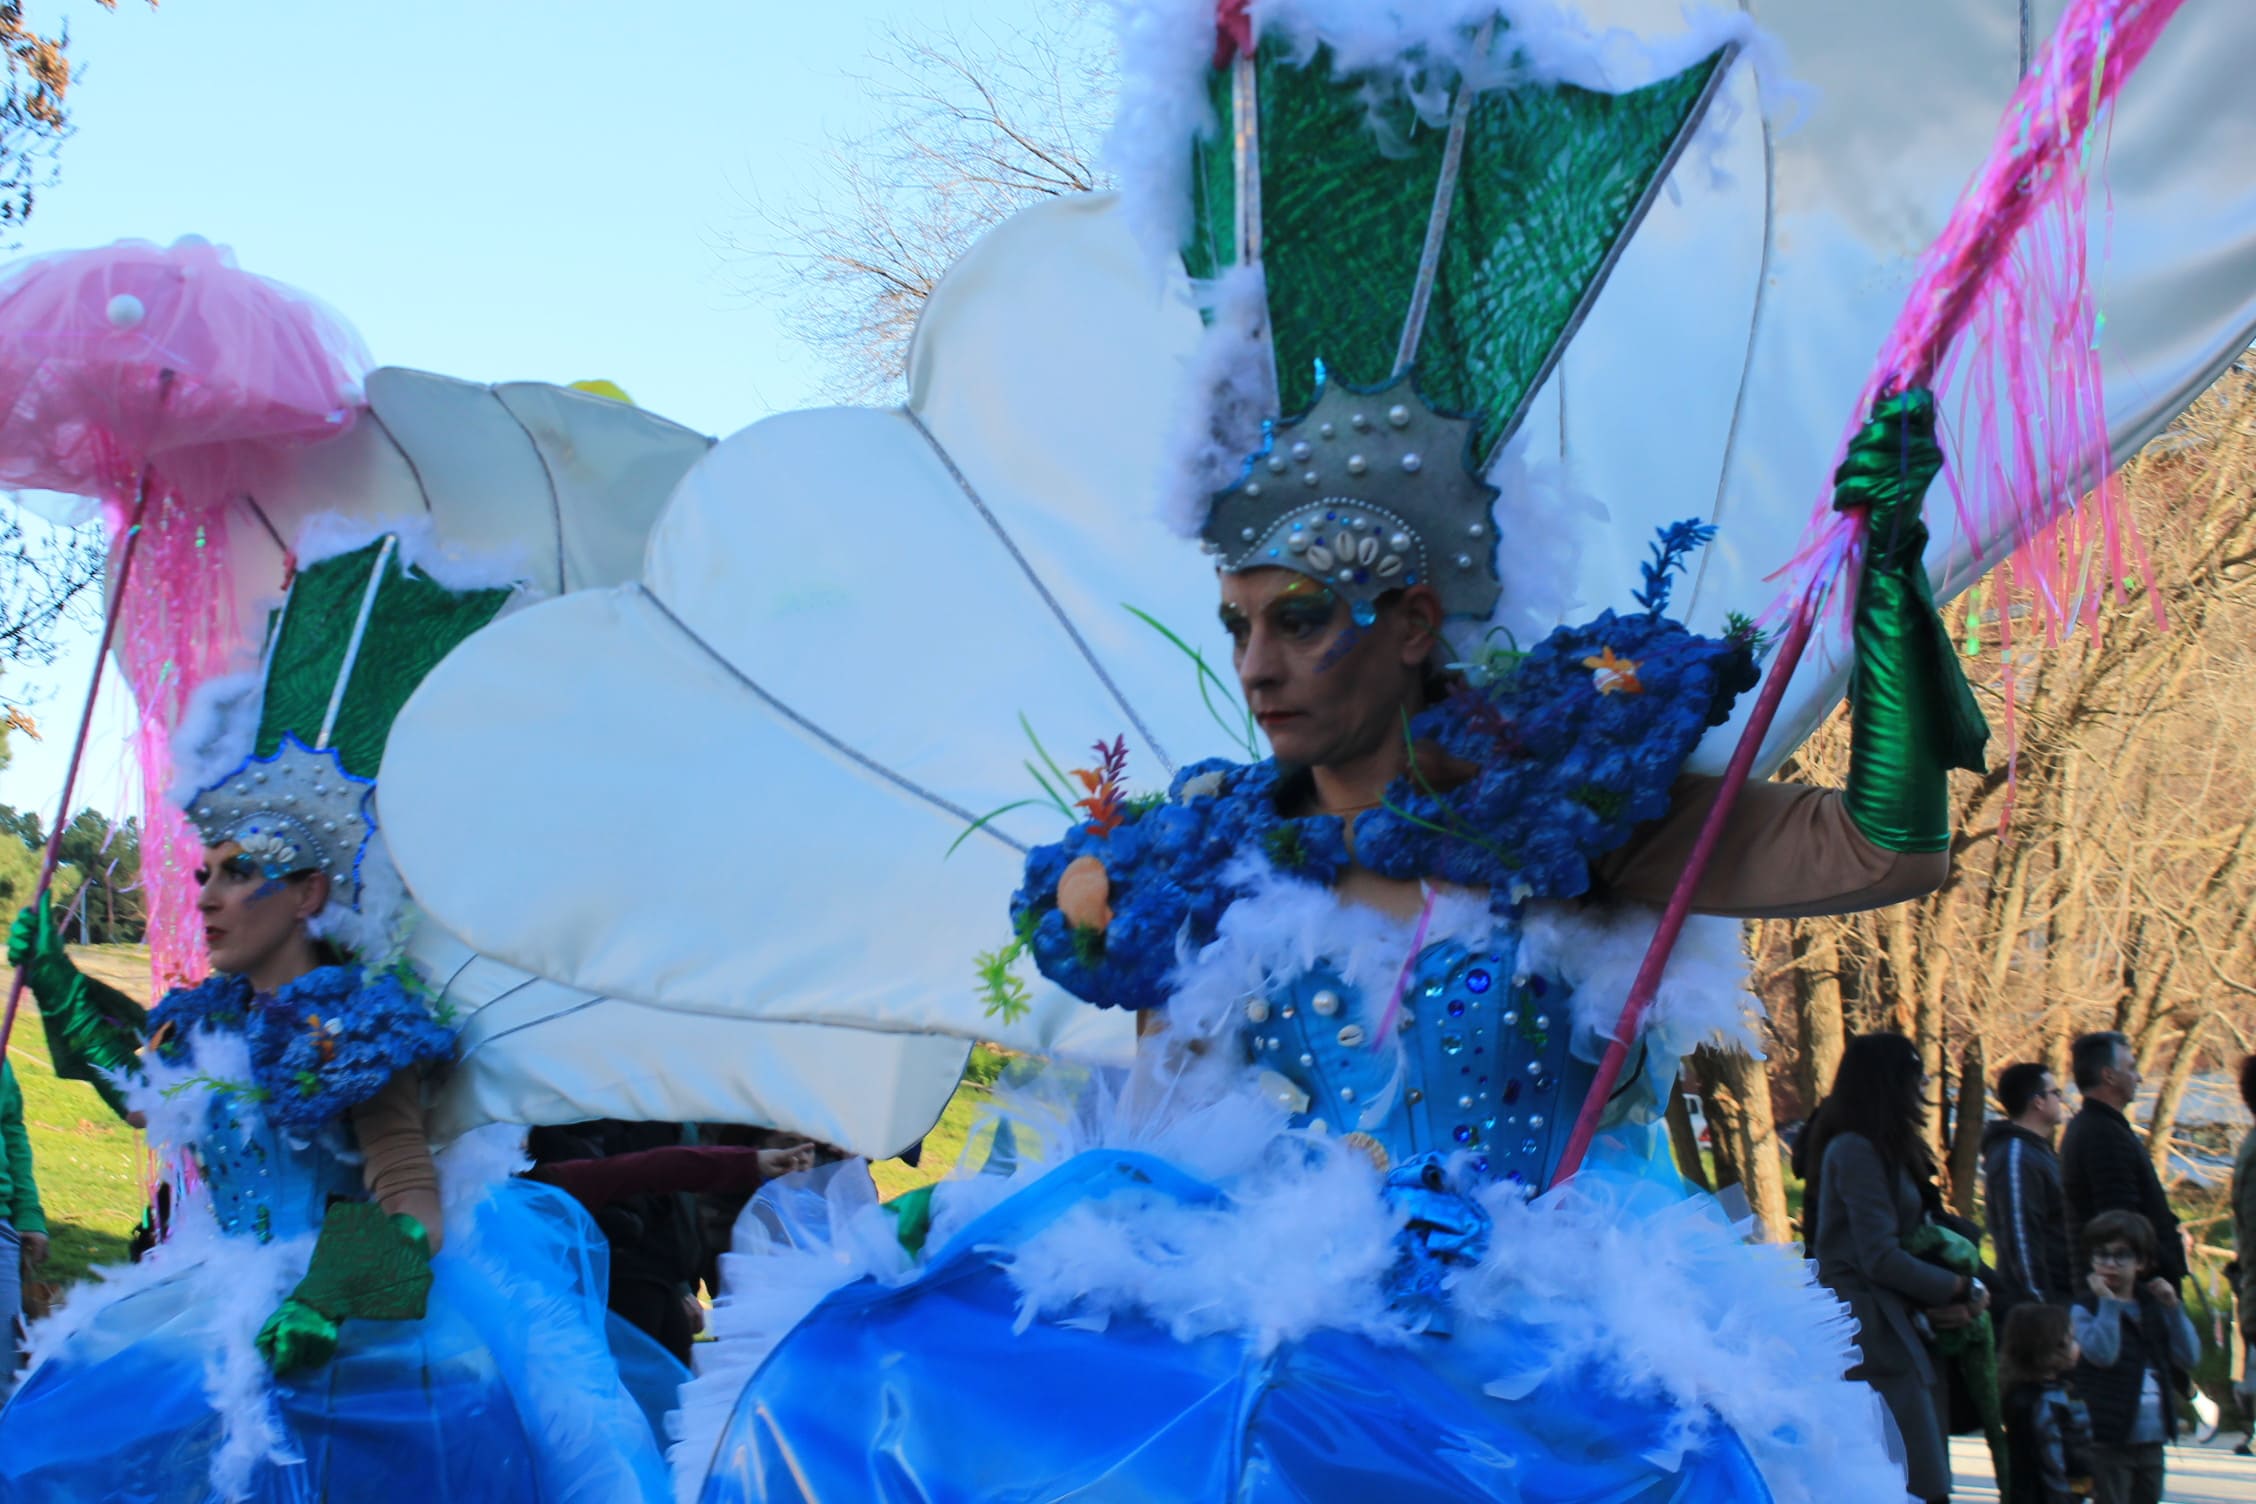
[(1367, 492), (295, 811)]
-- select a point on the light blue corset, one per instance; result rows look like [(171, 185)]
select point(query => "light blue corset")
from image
[(1486, 1068), (262, 1184)]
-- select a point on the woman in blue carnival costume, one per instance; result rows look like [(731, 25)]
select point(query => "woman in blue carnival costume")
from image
[(1314, 1250), (338, 1320)]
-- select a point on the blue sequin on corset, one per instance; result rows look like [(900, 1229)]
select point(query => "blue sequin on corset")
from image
[(1487, 1078), (263, 1184)]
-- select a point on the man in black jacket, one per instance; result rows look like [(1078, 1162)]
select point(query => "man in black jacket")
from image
[(2103, 1165), (2027, 1212)]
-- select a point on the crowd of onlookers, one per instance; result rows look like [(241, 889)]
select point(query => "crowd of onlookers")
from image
[(2072, 1349)]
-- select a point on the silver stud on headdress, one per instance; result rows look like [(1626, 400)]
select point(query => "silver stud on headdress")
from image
[(1366, 492), (296, 811)]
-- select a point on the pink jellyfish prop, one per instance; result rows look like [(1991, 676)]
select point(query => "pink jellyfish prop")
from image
[(158, 380)]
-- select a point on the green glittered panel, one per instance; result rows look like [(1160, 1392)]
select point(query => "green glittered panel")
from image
[(414, 624), (1552, 180)]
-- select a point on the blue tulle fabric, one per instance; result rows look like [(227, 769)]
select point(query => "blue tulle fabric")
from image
[(321, 1045), (506, 1392), (927, 1392)]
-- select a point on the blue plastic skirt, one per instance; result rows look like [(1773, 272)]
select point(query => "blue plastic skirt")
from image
[(506, 1392), (927, 1392)]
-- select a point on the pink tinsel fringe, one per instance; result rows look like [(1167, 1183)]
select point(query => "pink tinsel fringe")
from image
[(2001, 323), (178, 630)]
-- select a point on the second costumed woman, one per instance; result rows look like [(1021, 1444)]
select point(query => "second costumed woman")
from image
[(332, 1317)]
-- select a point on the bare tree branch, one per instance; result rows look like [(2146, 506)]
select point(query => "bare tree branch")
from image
[(977, 127)]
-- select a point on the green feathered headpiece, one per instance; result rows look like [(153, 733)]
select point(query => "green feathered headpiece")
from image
[(357, 633), (1428, 228)]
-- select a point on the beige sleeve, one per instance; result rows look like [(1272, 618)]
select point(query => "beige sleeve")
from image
[(397, 1166), (1789, 850)]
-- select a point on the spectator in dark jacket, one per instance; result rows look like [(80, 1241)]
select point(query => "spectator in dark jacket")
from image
[(2103, 1165), (2027, 1213)]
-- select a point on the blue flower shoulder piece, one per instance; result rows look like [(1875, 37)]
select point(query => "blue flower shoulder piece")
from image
[(1559, 755), (1106, 910), (320, 1046), (1567, 749)]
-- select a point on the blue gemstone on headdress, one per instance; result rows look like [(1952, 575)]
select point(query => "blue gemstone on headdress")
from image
[(1456, 1007), (1463, 1134), (1477, 982)]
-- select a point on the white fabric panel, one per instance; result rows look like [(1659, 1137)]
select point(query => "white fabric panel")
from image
[(534, 1051), (1051, 402), (576, 507), (611, 467), (477, 468), (719, 858)]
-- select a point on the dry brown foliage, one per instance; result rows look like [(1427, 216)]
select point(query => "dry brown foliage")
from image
[(2106, 876)]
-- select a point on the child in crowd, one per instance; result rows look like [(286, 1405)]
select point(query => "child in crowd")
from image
[(2137, 1347), (2047, 1429)]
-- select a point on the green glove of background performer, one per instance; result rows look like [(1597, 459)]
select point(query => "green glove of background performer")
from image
[(1915, 716), (367, 1263), (94, 1032)]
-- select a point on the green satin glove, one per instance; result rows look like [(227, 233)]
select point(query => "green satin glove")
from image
[(367, 1263), (93, 1031), (1915, 714)]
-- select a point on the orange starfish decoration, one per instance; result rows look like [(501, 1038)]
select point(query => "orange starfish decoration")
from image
[(1614, 675)]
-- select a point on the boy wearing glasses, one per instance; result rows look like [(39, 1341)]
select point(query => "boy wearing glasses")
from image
[(2021, 1191), (2138, 1346)]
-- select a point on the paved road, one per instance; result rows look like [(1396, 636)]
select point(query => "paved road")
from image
[(2198, 1475)]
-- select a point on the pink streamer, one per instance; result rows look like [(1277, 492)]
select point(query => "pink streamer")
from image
[(2000, 322), (2010, 269), (179, 631)]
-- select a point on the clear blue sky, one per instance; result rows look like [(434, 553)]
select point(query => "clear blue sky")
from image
[(494, 189)]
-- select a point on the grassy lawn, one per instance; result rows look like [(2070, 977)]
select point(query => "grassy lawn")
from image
[(946, 1144), (87, 1162)]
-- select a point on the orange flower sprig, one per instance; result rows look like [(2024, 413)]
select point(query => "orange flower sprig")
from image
[(1105, 786)]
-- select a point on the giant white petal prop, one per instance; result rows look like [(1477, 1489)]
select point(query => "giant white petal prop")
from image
[(843, 617), (562, 485), (844, 611), (558, 488)]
